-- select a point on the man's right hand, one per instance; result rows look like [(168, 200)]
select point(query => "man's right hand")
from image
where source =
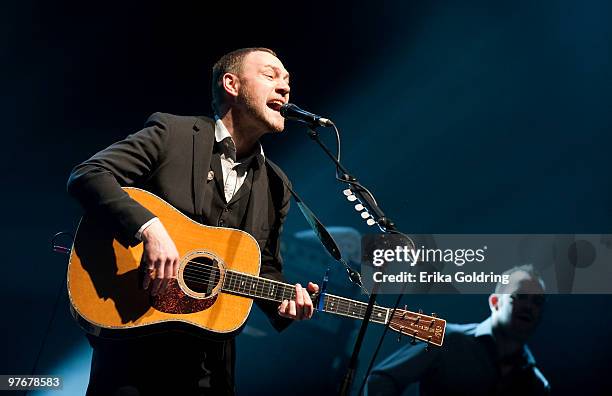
[(160, 258)]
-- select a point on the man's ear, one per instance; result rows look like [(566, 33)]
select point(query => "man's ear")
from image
[(231, 84), (494, 302)]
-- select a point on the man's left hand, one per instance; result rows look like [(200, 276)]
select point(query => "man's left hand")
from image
[(302, 307)]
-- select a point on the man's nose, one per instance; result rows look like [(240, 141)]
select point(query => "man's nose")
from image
[(283, 88)]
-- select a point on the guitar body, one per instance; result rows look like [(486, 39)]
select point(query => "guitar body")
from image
[(105, 277)]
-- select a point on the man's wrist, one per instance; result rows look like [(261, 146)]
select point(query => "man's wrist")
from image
[(142, 229)]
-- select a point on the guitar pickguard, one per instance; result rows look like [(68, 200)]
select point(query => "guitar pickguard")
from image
[(174, 301)]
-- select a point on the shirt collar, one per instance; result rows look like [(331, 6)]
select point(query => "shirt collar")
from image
[(221, 133)]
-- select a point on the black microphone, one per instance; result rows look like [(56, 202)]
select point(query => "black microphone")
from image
[(292, 112)]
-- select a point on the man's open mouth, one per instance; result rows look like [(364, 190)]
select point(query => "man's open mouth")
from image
[(275, 105)]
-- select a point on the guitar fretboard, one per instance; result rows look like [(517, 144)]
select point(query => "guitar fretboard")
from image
[(268, 289)]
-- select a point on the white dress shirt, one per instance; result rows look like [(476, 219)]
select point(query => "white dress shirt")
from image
[(234, 172)]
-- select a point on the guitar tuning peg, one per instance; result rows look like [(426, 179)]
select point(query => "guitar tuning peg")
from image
[(371, 222), (427, 344), (413, 341), (404, 314), (434, 315), (347, 192), (359, 207), (420, 311), (365, 215), (351, 198), (399, 337)]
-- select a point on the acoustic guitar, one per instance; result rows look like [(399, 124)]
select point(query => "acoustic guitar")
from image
[(214, 290)]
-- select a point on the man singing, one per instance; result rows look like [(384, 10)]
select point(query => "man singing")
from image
[(215, 172)]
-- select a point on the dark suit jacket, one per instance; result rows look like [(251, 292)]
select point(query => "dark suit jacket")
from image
[(171, 158)]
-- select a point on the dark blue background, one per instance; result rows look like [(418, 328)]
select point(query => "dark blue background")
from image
[(462, 117)]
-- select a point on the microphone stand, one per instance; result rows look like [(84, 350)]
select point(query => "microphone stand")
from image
[(385, 224)]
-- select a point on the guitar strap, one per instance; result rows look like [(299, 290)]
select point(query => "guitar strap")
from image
[(319, 229)]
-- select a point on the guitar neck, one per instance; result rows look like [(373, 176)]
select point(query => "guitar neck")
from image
[(268, 289)]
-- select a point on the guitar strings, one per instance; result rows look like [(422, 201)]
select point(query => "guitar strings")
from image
[(351, 308), (397, 319), (341, 307), (257, 287), (357, 308), (208, 270), (193, 272)]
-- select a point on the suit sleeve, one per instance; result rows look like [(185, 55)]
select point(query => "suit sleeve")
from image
[(97, 182), (272, 263)]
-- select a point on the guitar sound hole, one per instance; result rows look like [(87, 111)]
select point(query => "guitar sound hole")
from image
[(202, 274)]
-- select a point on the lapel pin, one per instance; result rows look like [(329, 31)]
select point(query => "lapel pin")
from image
[(211, 175)]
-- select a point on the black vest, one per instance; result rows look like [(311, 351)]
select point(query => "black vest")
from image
[(218, 212)]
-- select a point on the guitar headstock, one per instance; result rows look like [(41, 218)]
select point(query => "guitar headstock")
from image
[(417, 326)]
